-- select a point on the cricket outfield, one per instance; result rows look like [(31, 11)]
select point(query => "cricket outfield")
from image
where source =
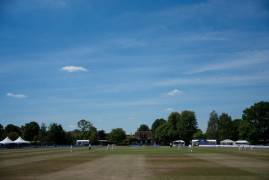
[(134, 163)]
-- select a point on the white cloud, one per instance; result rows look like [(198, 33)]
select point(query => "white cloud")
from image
[(18, 96), (74, 68), (169, 109), (174, 92)]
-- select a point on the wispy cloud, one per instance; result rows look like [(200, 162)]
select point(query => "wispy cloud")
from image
[(169, 109), (239, 60), (174, 92), (17, 96), (74, 68), (231, 80)]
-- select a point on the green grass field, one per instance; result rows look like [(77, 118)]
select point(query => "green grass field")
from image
[(134, 163)]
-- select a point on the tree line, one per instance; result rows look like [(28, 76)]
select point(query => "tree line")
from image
[(253, 126)]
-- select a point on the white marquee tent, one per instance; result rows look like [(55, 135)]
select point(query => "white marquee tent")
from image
[(19, 140), (7, 141), (227, 142), (242, 142), (179, 143)]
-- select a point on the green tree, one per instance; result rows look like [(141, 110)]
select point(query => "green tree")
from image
[(76, 134), (225, 127), (155, 125), (161, 133), (174, 119), (235, 129), (93, 135), (199, 134), (88, 131), (143, 127), (1, 131), (247, 131), (84, 125), (187, 126), (255, 124), (101, 135), (12, 131), (43, 133), (13, 135), (117, 136), (212, 126), (31, 131), (56, 134)]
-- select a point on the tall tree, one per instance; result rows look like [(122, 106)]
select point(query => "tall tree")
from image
[(43, 133), (212, 126), (1, 131), (143, 127), (12, 131), (155, 125), (161, 134), (225, 127), (31, 131), (255, 124), (101, 135), (88, 131), (56, 134), (174, 119), (187, 126), (84, 125), (117, 135), (199, 134), (93, 135), (235, 129)]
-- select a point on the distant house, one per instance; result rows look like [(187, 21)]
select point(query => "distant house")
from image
[(144, 137)]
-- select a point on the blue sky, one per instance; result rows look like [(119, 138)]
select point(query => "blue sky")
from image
[(124, 63)]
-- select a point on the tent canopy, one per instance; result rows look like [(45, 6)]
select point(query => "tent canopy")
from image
[(179, 141), (211, 140), (227, 141), (6, 141), (19, 140), (242, 142)]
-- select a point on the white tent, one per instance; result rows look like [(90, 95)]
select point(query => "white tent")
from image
[(7, 141), (179, 143), (242, 142), (195, 142), (227, 142), (82, 142), (211, 141), (19, 140)]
